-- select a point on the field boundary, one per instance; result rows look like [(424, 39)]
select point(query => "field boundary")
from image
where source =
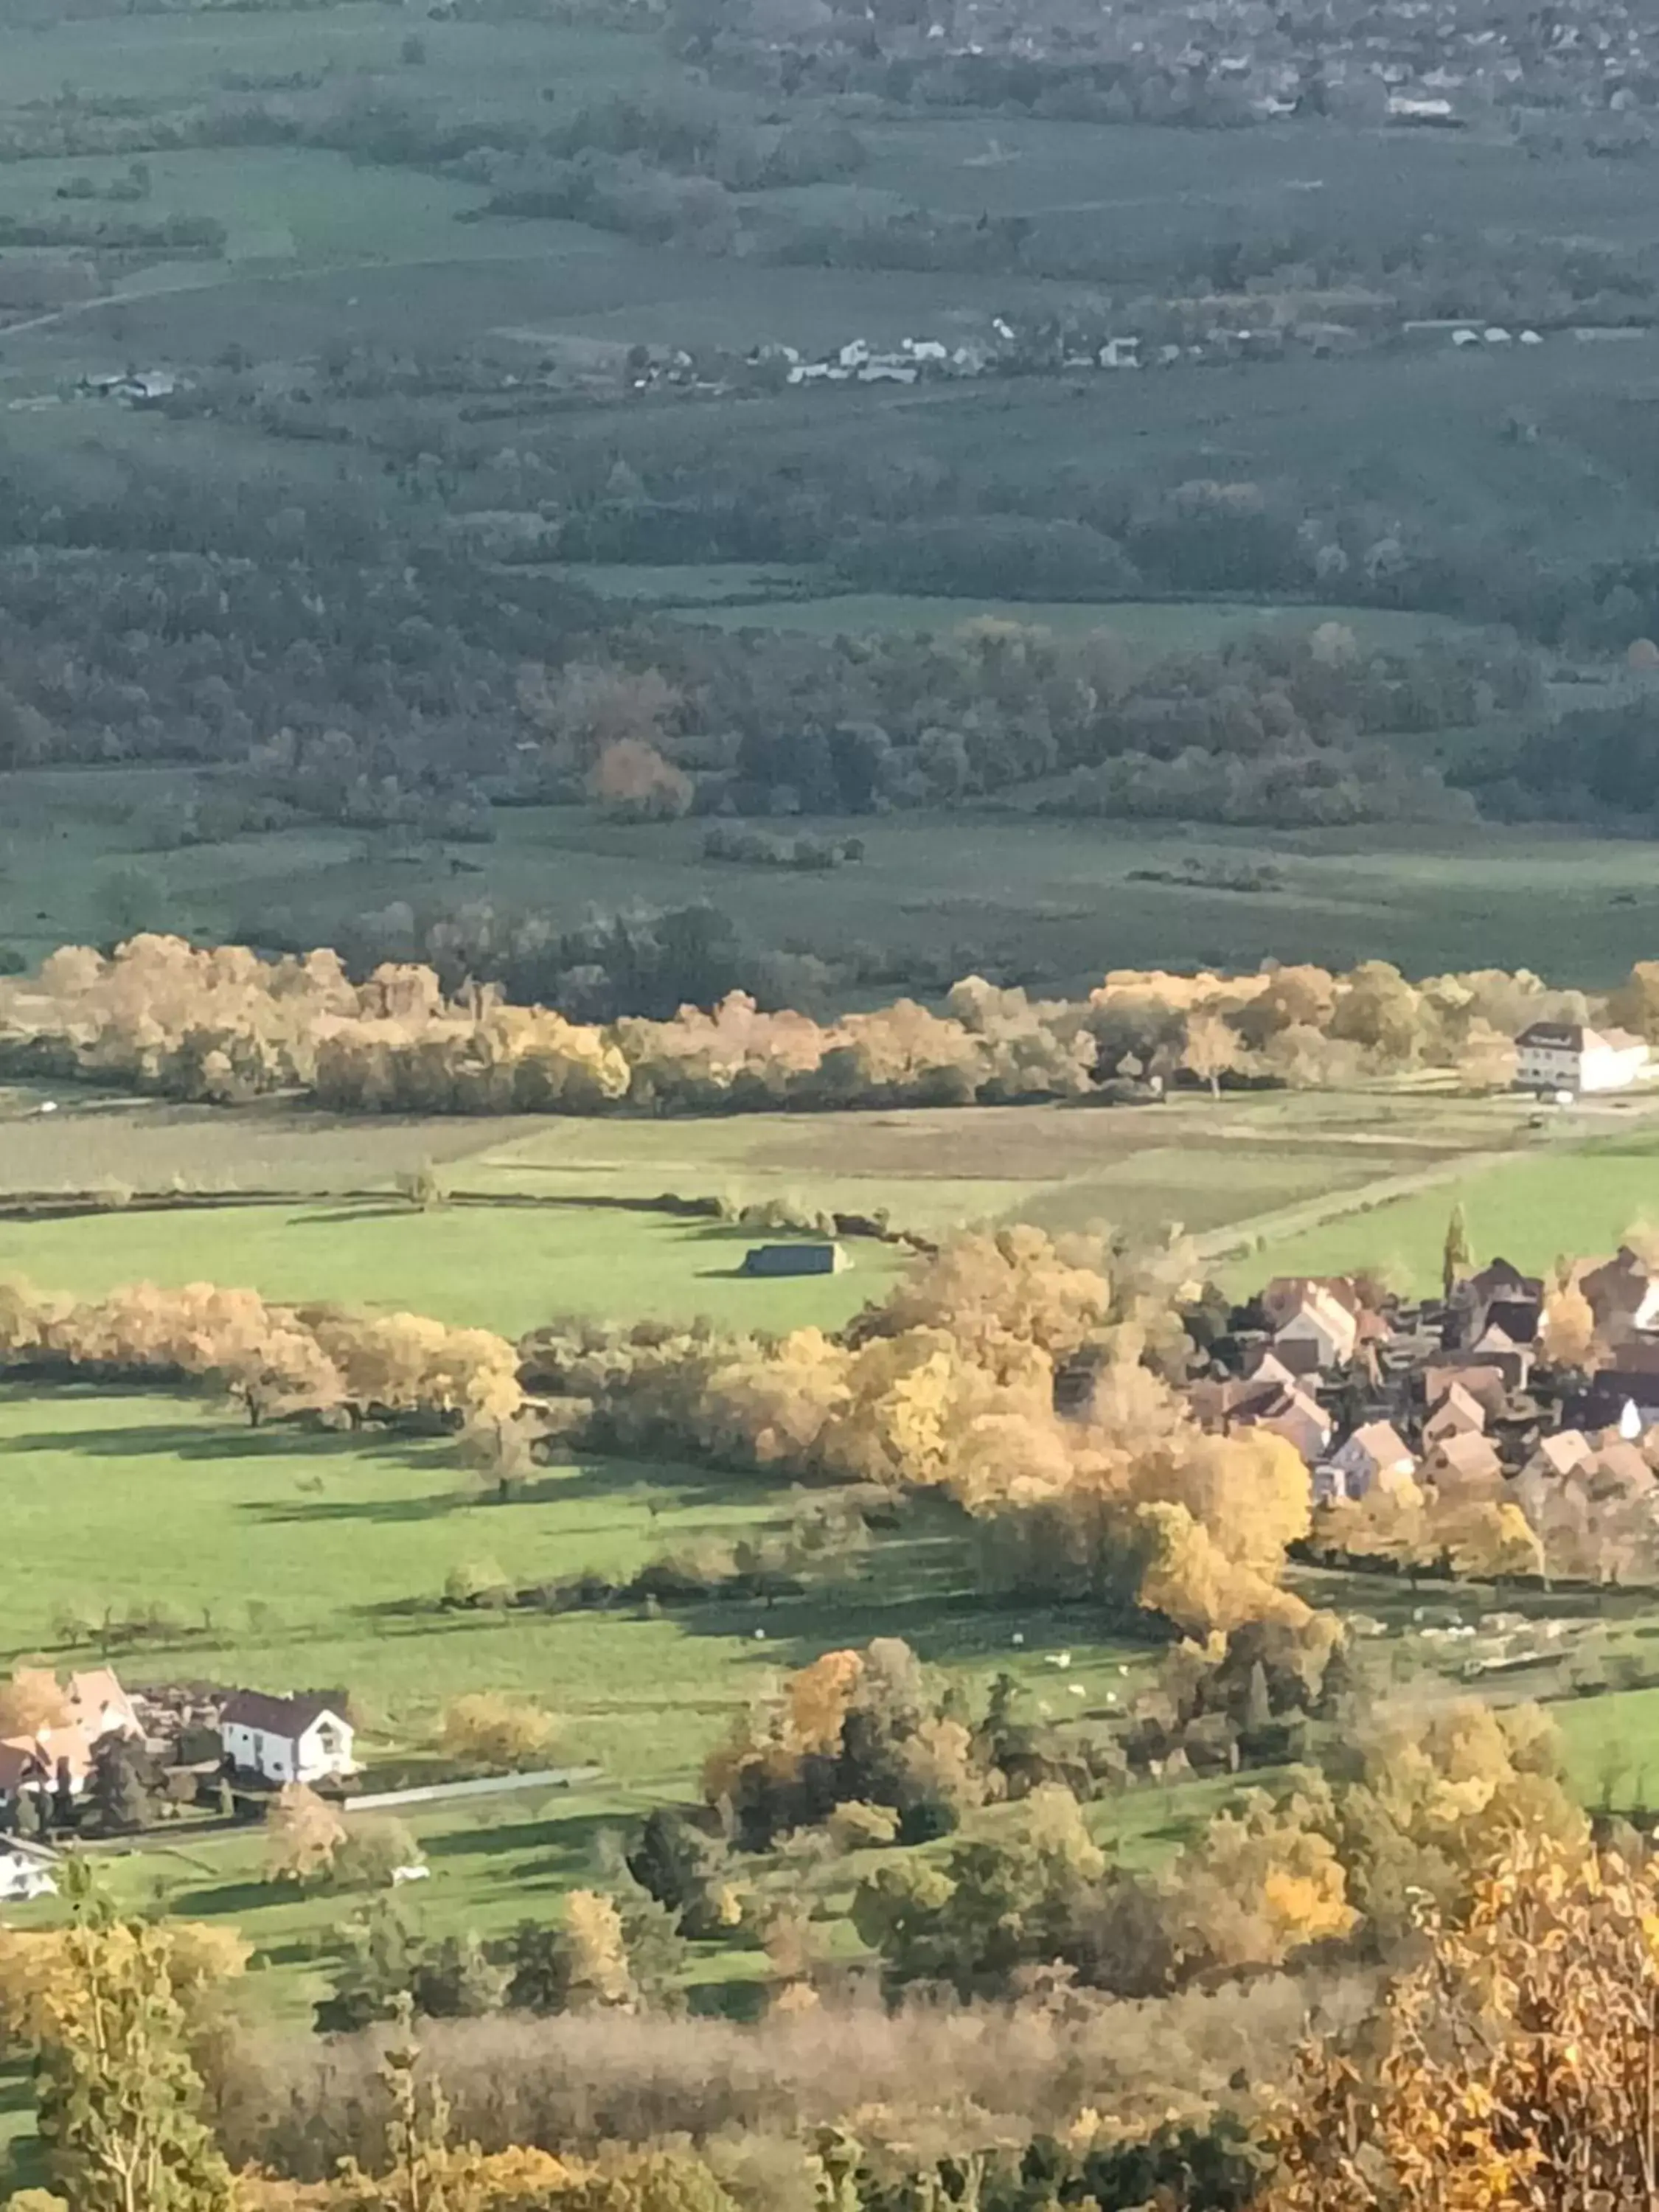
[(1241, 1238), (61, 1206)]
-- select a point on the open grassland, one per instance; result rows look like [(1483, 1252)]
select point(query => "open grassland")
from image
[(499, 68), (1208, 1165), (294, 1559), (94, 1143), (1612, 1742), (1528, 1210), (291, 1559), (281, 207), (1052, 903), (1194, 1162), (731, 595), (502, 1267), (1153, 625)]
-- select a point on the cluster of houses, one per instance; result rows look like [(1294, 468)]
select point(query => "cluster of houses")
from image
[(131, 387), (1008, 351), (251, 1740), (1453, 1397)]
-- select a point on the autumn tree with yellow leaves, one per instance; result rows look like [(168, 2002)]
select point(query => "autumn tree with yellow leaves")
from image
[(493, 1732), (1516, 2065), (120, 2099), (303, 1834)]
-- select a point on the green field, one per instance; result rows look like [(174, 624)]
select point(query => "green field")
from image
[(1205, 1164), (731, 595), (285, 1558), (282, 207), (498, 66), (1527, 1211), (1048, 902), (301, 1559), (503, 1267), (1154, 626), (1199, 1164)]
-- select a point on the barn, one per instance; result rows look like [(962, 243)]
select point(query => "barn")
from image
[(825, 1258)]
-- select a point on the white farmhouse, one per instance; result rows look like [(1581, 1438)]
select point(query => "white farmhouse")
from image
[(300, 1739), (1570, 1056)]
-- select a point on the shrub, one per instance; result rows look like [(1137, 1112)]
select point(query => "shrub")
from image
[(858, 1826)]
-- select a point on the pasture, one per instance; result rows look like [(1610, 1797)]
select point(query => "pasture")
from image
[(1527, 1210), (500, 67), (1200, 1165), (282, 207), (1148, 626), (1045, 902), (295, 1559), (288, 1560), (506, 1267), (568, 1200)]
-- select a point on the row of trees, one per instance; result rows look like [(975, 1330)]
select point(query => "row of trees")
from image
[(949, 1385), (271, 1359), (223, 1024), (769, 722)]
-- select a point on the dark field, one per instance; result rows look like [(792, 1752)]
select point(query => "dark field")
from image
[(1045, 903)]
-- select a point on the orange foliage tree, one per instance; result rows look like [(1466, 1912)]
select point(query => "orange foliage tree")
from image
[(1514, 2069)]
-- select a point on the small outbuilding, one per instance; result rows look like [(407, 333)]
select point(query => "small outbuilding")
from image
[(817, 1258)]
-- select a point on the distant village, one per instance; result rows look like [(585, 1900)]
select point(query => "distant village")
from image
[(1449, 1396), (1537, 1393), (1413, 63), (1009, 347)]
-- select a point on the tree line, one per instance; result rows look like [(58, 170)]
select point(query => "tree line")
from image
[(161, 1016), (273, 1360)]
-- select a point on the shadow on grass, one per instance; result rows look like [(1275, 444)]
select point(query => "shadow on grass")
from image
[(944, 1624), (432, 1505), (570, 1839), (685, 1486), (297, 1952), (693, 1491), (230, 1899), (370, 1209), (195, 1440)]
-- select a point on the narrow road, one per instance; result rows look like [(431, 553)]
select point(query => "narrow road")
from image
[(487, 1785), (1236, 1239)]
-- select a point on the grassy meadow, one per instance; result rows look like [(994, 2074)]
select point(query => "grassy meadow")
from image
[(1050, 903), (1203, 1164), (1150, 626), (1528, 1210), (289, 1559), (569, 1199), (504, 1267)]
